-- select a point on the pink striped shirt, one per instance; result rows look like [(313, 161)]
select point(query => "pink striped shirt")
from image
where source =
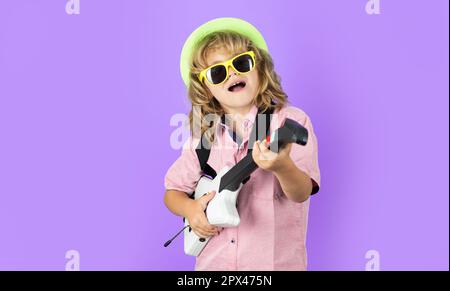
[(272, 231)]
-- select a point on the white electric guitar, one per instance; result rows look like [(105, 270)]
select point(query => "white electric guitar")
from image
[(221, 210)]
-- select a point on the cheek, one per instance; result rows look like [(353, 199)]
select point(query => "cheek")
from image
[(217, 91), (254, 79)]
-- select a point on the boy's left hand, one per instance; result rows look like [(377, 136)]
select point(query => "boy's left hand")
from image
[(268, 160)]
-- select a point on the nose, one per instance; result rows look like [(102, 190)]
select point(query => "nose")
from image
[(231, 71)]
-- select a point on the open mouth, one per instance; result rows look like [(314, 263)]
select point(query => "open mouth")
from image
[(236, 87)]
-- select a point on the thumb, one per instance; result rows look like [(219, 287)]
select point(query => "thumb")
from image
[(208, 196), (287, 148)]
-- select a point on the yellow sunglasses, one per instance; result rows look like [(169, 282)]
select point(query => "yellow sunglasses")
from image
[(218, 73)]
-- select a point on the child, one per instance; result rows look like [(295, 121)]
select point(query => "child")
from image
[(273, 204)]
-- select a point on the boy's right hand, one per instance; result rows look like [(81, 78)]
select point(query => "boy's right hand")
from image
[(197, 217)]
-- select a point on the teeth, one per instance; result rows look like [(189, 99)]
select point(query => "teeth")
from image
[(235, 83), (238, 82)]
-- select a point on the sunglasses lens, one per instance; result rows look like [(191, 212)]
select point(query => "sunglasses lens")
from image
[(243, 63), (216, 74)]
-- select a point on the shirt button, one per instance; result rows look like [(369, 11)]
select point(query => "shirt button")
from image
[(233, 241)]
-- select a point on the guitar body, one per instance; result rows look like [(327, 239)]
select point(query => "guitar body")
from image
[(221, 211)]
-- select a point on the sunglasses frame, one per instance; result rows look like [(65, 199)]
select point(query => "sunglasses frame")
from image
[(227, 64)]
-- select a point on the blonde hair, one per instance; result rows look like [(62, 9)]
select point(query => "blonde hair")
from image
[(270, 93)]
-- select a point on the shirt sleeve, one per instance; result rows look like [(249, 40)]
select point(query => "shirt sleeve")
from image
[(305, 157), (185, 172)]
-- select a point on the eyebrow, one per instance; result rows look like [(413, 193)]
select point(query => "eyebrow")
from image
[(220, 61)]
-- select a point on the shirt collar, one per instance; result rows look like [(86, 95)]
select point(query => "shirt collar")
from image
[(248, 119)]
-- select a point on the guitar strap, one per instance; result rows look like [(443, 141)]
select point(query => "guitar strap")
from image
[(261, 119)]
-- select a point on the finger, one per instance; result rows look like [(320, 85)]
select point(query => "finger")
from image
[(207, 232), (207, 197), (255, 152), (270, 156), (287, 148), (263, 147), (208, 227), (256, 149), (200, 233), (266, 143), (212, 233), (263, 153)]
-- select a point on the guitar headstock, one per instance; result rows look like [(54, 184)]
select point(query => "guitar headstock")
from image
[(290, 132)]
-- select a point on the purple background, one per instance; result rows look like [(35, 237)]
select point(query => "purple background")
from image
[(86, 101)]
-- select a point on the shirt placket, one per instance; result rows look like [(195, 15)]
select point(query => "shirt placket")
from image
[(238, 153)]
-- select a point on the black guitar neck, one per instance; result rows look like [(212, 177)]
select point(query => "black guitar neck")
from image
[(290, 132)]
